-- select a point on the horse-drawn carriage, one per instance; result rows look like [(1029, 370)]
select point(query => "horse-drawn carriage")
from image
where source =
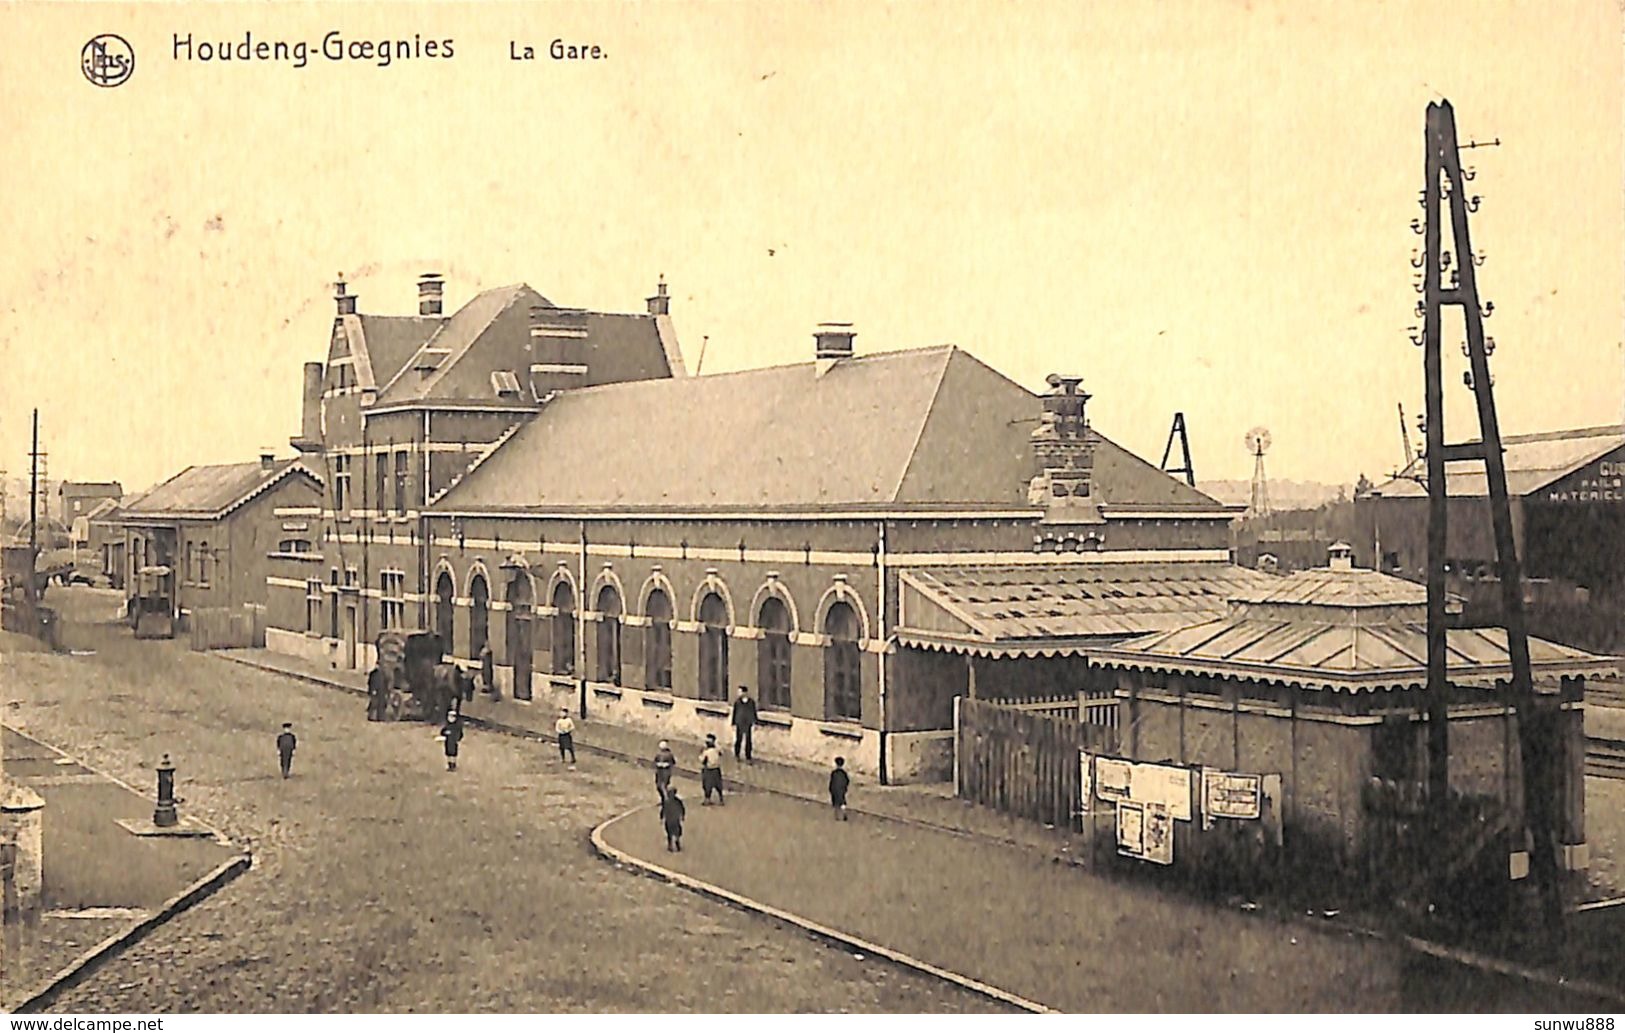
[(413, 682)]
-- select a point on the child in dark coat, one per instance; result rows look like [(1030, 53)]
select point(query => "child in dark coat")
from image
[(839, 783), (452, 733), (671, 815)]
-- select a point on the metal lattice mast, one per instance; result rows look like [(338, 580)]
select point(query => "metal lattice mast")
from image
[(1178, 431)]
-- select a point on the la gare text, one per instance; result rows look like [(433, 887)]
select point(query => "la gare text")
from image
[(558, 50)]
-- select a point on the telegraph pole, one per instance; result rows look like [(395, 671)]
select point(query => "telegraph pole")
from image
[(1538, 752)]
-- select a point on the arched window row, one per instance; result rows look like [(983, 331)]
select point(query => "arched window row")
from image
[(840, 631)]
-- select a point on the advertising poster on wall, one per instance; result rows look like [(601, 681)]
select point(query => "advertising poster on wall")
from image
[(1130, 829), (1229, 795), (1158, 834), (1164, 785), (1086, 783), (1113, 778)]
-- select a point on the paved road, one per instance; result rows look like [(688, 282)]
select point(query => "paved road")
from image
[(384, 883)]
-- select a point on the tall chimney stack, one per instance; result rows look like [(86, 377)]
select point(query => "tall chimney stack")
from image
[(431, 286), (345, 300), (310, 415), (834, 343), (659, 302)]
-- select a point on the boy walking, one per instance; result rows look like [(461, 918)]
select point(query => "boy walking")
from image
[(839, 783), (452, 734), (286, 743), (671, 815), (711, 770), (566, 731), (665, 765)]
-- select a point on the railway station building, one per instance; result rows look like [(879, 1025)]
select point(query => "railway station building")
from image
[(858, 538)]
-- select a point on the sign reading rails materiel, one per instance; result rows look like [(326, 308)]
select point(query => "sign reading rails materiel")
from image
[(1229, 795)]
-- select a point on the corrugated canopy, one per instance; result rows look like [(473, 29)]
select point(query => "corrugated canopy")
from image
[(1322, 654), (1065, 608)]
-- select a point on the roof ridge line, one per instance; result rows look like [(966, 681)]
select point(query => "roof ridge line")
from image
[(925, 421)]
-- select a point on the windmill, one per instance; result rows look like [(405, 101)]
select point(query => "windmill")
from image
[(1258, 442)]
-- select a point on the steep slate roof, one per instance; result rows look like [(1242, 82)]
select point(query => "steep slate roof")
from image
[(392, 340), (1533, 461), (211, 491), (928, 426), (491, 331), (1339, 630), (1039, 609)]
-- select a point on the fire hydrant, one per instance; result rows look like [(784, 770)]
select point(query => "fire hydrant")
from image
[(164, 815)]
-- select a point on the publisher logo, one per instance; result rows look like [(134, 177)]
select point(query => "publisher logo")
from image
[(107, 60)]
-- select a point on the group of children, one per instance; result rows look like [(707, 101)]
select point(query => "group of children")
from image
[(673, 811)]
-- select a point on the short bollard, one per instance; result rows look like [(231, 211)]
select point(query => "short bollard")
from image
[(164, 815)]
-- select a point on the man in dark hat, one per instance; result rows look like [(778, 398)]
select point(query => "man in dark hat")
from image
[(711, 770), (286, 743), (671, 816), (744, 722), (377, 694)]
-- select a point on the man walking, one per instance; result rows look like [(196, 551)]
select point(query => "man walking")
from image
[(377, 694), (744, 721), (711, 770), (286, 743), (671, 816), (488, 671), (565, 728), (839, 783), (452, 734)]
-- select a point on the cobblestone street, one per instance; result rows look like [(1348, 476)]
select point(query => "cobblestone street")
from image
[(383, 882)]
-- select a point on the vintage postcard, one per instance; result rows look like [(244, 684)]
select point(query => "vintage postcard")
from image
[(718, 508)]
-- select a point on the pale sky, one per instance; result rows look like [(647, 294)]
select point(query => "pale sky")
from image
[(1198, 206)]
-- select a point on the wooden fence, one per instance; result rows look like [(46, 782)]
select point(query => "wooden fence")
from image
[(1024, 764), (222, 627)]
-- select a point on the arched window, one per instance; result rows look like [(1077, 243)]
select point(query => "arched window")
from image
[(773, 659), (714, 648), (479, 616), (520, 621), (609, 635), (657, 643), (564, 629), (843, 681), (444, 610)]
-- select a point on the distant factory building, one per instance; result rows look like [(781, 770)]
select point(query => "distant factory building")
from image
[(1567, 492)]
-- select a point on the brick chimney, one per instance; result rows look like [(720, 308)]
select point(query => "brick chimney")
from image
[(1065, 449), (558, 359), (659, 302), (430, 288), (834, 343), (345, 300), (310, 421), (267, 460)]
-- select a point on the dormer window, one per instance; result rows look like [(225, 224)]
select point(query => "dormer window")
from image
[(505, 383)]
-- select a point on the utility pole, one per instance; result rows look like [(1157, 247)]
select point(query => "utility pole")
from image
[(1538, 751), (33, 491)]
